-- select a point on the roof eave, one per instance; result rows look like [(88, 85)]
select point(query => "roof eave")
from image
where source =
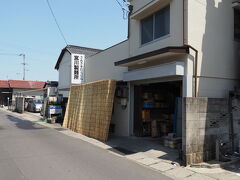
[(60, 57), (173, 49)]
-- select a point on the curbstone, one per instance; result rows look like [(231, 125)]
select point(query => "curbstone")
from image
[(162, 166)]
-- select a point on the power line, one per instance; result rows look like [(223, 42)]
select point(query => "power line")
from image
[(24, 65), (24, 61), (119, 4), (20, 46), (124, 9), (8, 54), (55, 19)]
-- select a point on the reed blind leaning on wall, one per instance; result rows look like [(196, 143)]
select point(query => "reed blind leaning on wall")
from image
[(89, 108)]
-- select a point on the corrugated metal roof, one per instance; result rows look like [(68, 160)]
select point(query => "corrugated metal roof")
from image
[(20, 84), (4, 84)]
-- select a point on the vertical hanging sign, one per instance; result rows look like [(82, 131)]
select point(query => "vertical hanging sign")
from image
[(78, 64)]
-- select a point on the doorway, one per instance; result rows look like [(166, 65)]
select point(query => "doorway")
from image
[(157, 108)]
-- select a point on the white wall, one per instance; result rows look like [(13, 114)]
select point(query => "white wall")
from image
[(121, 118), (176, 24), (65, 93), (101, 66), (64, 71), (138, 4), (15, 92), (211, 31)]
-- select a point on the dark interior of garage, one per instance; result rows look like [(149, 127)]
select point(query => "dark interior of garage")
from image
[(156, 109)]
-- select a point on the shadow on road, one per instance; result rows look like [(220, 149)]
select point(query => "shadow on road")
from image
[(24, 124)]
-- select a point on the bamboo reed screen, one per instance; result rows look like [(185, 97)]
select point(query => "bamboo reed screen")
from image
[(89, 109)]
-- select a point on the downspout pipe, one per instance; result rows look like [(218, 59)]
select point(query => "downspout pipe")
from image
[(194, 49), (195, 68), (130, 8)]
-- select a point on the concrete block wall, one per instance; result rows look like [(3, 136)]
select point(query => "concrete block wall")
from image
[(205, 120), (19, 104)]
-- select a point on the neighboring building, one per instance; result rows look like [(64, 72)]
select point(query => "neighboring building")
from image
[(49, 88), (5, 92), (70, 66), (10, 88)]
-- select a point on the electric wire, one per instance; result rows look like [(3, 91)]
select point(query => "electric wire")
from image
[(124, 10), (8, 54), (20, 47), (119, 4), (55, 19), (23, 63)]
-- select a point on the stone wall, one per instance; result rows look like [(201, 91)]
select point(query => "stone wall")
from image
[(205, 120)]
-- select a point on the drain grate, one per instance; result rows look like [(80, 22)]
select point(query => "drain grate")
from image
[(121, 151)]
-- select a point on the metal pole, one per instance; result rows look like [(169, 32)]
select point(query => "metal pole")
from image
[(24, 65), (24, 69), (8, 102)]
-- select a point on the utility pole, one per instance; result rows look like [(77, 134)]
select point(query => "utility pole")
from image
[(24, 65), (24, 62)]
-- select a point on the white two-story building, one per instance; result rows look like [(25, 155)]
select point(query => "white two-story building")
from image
[(71, 67), (175, 49), (192, 45)]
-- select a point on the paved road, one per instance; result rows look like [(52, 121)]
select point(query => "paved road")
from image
[(31, 151)]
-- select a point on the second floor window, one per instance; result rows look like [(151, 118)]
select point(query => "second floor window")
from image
[(156, 25)]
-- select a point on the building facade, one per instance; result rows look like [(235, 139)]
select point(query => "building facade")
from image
[(189, 42), (176, 50), (71, 67), (10, 89)]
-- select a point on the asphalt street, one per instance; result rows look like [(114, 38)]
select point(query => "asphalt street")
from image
[(34, 152)]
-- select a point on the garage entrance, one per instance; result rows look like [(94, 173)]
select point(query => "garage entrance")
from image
[(157, 108)]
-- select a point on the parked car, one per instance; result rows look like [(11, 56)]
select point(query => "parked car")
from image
[(35, 105)]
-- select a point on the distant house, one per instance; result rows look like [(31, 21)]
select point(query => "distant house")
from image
[(71, 66), (9, 88), (4, 92)]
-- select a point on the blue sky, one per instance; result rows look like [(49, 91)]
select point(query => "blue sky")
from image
[(28, 27)]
